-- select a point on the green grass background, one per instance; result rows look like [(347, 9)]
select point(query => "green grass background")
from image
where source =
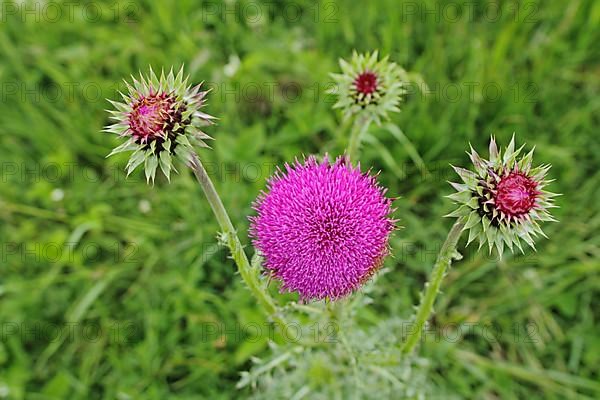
[(82, 245)]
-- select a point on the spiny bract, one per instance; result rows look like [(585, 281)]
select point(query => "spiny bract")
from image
[(322, 228), (368, 86), (502, 202), (160, 117)]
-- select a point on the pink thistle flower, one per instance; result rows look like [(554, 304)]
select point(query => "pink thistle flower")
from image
[(322, 228)]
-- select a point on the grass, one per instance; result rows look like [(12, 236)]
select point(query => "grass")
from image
[(136, 271)]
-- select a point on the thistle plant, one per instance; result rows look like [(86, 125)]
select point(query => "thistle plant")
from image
[(323, 228), (500, 203), (161, 118)]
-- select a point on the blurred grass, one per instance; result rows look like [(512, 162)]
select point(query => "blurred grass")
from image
[(81, 245)]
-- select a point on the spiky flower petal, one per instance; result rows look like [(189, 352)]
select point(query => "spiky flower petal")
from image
[(504, 200), (160, 117), (322, 228), (369, 86)]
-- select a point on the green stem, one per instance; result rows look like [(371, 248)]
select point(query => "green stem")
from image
[(233, 242), (433, 286), (336, 311), (358, 130)]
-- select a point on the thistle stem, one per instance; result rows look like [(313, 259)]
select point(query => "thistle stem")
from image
[(361, 125), (432, 287), (233, 242)]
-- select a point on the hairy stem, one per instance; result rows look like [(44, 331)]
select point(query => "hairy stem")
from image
[(358, 130), (249, 276), (432, 287)]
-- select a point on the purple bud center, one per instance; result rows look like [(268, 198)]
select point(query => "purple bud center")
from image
[(153, 117), (516, 194)]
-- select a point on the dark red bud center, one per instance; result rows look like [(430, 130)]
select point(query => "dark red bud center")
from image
[(516, 194), (366, 83)]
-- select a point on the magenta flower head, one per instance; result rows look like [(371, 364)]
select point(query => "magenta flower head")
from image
[(504, 200), (160, 118), (322, 228)]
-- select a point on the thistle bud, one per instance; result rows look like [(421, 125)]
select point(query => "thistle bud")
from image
[(160, 118), (503, 201), (368, 86)]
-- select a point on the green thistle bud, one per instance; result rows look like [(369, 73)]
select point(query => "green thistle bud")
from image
[(368, 86), (504, 200), (160, 118)]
